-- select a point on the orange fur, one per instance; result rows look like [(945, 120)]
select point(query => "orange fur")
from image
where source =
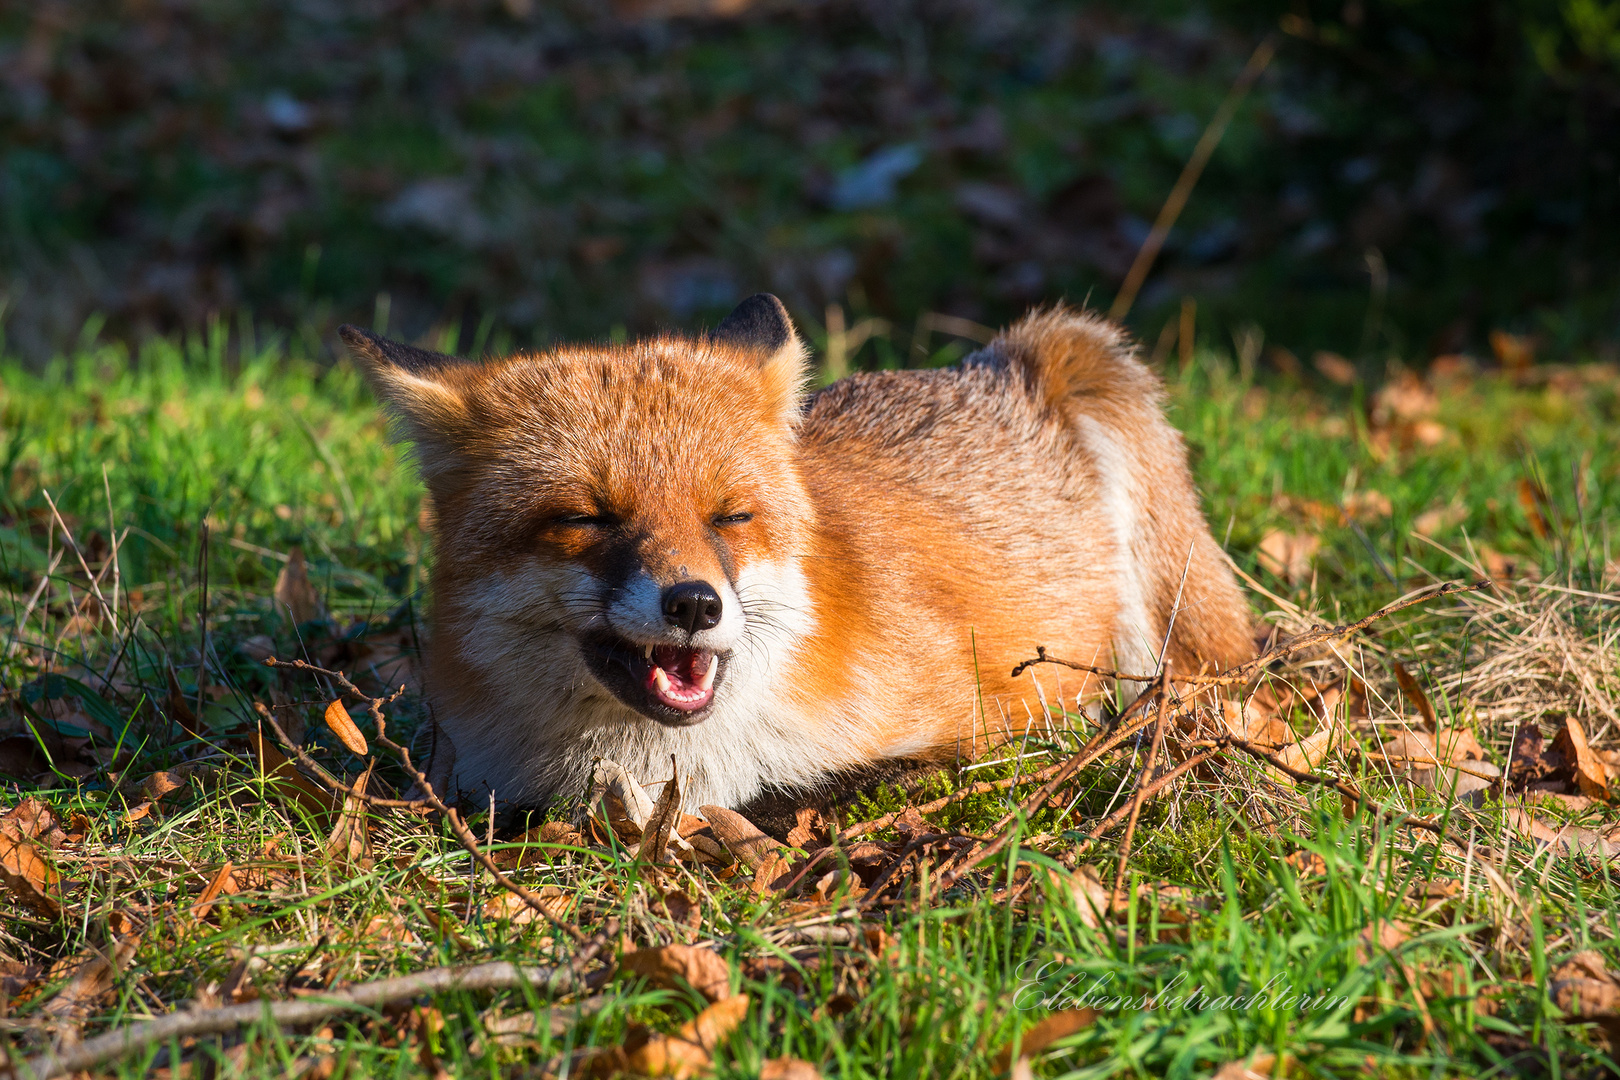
[(913, 535)]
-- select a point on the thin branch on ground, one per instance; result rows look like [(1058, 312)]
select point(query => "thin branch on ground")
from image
[(1243, 673), (500, 975), (1140, 797)]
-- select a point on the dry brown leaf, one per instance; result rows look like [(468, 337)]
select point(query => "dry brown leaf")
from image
[(1260, 1066), (23, 867), (282, 776), (683, 1056), (1584, 986), (1256, 720), (1368, 506), (773, 873), (295, 594), (710, 1027), (1567, 838), (1092, 898), (1531, 500), (535, 843), (1414, 693), (1515, 352), (672, 966), (612, 779), (1059, 1025), (508, 905), (684, 912), (1590, 772), (787, 1068), (1335, 368), (666, 813), (92, 980), (349, 845), (740, 836), (223, 883), (342, 725), (1306, 754), (1288, 555), (807, 827), (1447, 761), (160, 784)]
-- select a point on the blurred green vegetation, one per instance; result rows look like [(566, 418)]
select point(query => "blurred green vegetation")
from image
[(1406, 177)]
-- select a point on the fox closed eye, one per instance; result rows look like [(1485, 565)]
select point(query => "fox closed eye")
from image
[(733, 519), (584, 521)]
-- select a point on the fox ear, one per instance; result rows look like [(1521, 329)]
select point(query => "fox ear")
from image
[(421, 388), (761, 324)]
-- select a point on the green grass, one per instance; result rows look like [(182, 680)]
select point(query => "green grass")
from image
[(275, 452)]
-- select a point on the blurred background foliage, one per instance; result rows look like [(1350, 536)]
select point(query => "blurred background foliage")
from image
[(1408, 176)]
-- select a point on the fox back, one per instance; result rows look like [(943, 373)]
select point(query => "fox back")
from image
[(665, 549)]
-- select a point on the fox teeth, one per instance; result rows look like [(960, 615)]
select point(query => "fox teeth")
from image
[(708, 676), (661, 681), (647, 653)]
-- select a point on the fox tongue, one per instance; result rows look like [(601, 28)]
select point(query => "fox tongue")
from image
[(682, 678)]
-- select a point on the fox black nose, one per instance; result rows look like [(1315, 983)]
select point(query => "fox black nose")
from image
[(692, 606)]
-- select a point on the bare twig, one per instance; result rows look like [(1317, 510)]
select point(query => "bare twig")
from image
[(500, 975), (1347, 790), (1242, 673), (1141, 788)]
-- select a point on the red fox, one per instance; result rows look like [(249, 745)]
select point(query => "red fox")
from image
[(668, 548)]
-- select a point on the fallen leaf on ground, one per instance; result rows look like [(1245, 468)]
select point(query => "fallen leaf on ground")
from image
[(92, 979), (1306, 754), (1368, 506), (223, 883), (1335, 368), (1256, 720), (342, 725), (509, 905), (295, 594), (740, 836), (1288, 555), (1514, 352), (673, 966), (349, 845), (1259, 1066), (1091, 897), (535, 842), (284, 778), (1590, 773), (1567, 838), (611, 783), (682, 1056), (788, 1068), (23, 867), (656, 835), (1059, 1025), (1584, 986), (807, 828)]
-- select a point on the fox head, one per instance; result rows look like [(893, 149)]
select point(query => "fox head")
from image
[(617, 527)]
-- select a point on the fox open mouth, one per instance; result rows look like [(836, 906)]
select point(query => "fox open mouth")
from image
[(668, 683)]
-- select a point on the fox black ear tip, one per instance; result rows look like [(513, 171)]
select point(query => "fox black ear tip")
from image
[(760, 322), (354, 337)]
